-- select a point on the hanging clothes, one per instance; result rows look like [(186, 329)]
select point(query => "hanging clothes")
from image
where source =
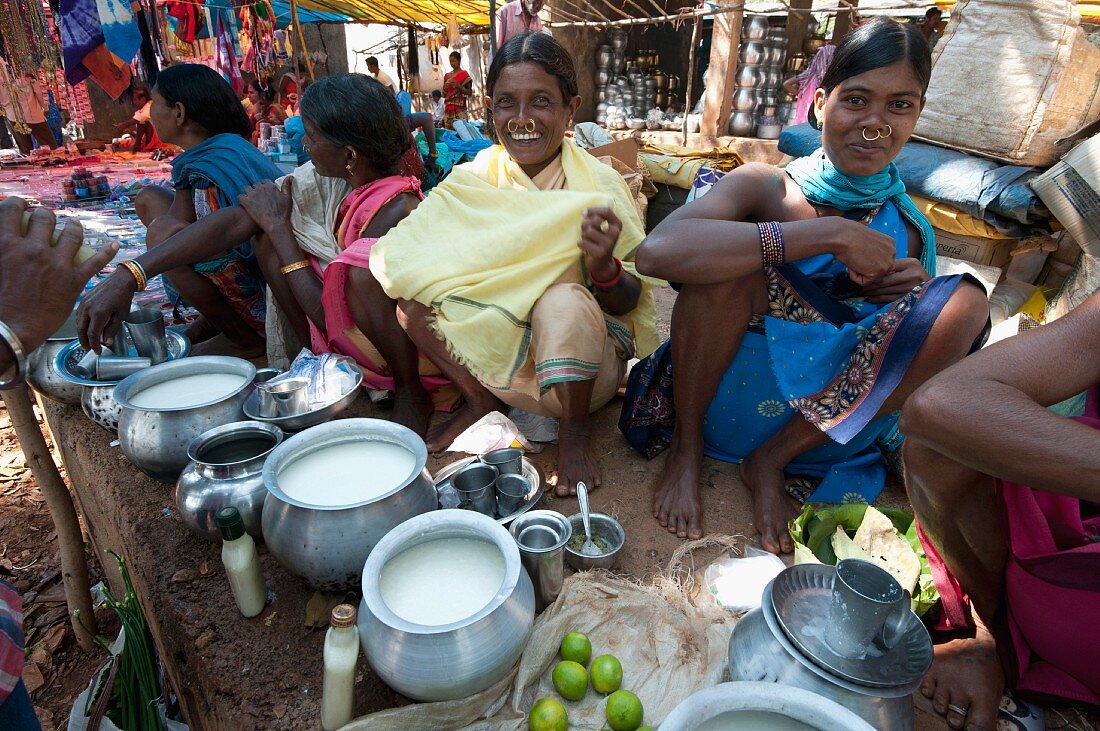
[(189, 18), (120, 32), (81, 33), (225, 56)]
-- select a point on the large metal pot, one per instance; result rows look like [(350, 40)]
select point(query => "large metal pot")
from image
[(744, 100), (603, 56), (42, 373), (741, 124), (99, 405), (602, 77), (759, 651), (752, 53), (726, 700), (156, 440), (435, 663), (749, 76), (327, 544), (226, 470), (754, 28)]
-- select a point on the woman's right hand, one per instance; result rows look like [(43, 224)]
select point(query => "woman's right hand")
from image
[(269, 206), (103, 310), (868, 254)]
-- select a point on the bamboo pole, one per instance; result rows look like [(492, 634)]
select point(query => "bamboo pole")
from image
[(74, 569), (696, 35), (302, 43)]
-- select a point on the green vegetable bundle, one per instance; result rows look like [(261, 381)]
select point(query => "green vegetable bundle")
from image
[(824, 533)]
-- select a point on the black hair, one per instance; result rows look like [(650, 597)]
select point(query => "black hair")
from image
[(933, 11), (877, 44), (372, 60), (207, 97), (540, 48), (265, 90), (356, 111), (437, 94), (455, 54)]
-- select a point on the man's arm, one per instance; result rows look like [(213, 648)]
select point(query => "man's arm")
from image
[(989, 412)]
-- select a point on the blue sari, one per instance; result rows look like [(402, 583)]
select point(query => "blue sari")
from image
[(820, 353)]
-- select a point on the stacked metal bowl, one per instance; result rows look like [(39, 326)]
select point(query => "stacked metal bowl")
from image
[(759, 79)]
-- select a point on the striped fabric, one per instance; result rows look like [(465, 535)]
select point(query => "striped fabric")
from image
[(560, 370), (11, 639)]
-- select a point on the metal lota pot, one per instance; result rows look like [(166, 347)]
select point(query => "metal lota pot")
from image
[(759, 651), (741, 124), (156, 440), (726, 701), (744, 100), (602, 77), (99, 405), (226, 470), (603, 56), (456, 660), (42, 373), (754, 28), (749, 76), (752, 53), (327, 544)]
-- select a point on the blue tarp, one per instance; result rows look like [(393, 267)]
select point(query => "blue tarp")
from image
[(996, 193), (282, 15)]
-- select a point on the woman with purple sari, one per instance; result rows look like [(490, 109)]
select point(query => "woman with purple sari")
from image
[(809, 306)]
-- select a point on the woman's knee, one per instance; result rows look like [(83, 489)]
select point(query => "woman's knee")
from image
[(567, 301), (748, 293), (969, 311)]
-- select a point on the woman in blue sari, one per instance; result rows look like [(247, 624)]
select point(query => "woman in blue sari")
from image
[(195, 108), (809, 307)]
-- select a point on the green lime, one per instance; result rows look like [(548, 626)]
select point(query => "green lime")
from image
[(548, 715), (576, 647), (571, 680), (624, 711), (606, 673)]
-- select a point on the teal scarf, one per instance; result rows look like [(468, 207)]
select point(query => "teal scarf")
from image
[(824, 185)]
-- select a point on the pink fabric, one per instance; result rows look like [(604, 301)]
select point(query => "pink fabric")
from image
[(1052, 589), (809, 81), (356, 213)]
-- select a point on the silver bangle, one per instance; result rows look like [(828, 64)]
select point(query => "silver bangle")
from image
[(20, 356)]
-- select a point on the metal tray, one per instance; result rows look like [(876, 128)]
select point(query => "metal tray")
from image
[(67, 358), (299, 422), (530, 471), (801, 595)]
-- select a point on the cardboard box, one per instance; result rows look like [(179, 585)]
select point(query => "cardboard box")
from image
[(624, 150), (988, 252), (1071, 190)]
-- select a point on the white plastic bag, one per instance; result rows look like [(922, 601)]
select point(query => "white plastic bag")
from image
[(492, 431), (737, 584)]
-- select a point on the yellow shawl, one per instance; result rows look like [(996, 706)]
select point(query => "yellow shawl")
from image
[(486, 243)]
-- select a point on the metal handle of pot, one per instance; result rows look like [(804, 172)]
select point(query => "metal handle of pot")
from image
[(894, 628)]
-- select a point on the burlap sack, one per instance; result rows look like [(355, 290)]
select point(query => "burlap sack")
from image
[(1010, 78), (669, 648)]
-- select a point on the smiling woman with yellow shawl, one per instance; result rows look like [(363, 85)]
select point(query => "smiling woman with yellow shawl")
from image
[(533, 301)]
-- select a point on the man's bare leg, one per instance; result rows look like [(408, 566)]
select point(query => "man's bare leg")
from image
[(959, 512), (576, 463)]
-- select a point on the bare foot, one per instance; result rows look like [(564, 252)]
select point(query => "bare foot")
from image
[(576, 463), (413, 411), (200, 330), (440, 436), (772, 506), (966, 675), (676, 502), (221, 345)]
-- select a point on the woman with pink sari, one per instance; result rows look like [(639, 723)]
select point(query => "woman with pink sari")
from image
[(312, 231), (1007, 492)]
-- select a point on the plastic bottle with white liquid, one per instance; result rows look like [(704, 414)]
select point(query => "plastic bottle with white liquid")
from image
[(242, 565), (341, 653)]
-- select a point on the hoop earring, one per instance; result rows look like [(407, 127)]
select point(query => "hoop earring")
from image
[(863, 133), (348, 167)]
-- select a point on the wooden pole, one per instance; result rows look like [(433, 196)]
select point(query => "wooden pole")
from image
[(845, 19), (696, 34), (725, 43), (302, 43), (74, 569), (798, 19)]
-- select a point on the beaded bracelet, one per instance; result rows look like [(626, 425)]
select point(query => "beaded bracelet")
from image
[(614, 280), (19, 355), (773, 250), (137, 271)]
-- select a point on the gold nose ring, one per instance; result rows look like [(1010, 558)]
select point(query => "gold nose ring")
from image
[(878, 135)]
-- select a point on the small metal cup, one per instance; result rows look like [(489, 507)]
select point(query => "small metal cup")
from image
[(263, 375), (114, 368), (290, 396), (476, 488), (146, 326), (122, 342), (507, 461), (86, 366), (541, 536), (867, 603), (511, 493)]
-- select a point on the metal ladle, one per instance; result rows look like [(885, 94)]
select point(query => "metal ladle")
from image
[(589, 548)]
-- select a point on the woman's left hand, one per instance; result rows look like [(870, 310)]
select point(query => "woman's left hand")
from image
[(268, 206), (600, 231), (898, 282)]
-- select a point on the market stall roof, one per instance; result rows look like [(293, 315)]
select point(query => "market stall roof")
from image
[(404, 12), (305, 15)]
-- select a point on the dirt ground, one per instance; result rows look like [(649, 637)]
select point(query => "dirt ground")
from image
[(263, 673)]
